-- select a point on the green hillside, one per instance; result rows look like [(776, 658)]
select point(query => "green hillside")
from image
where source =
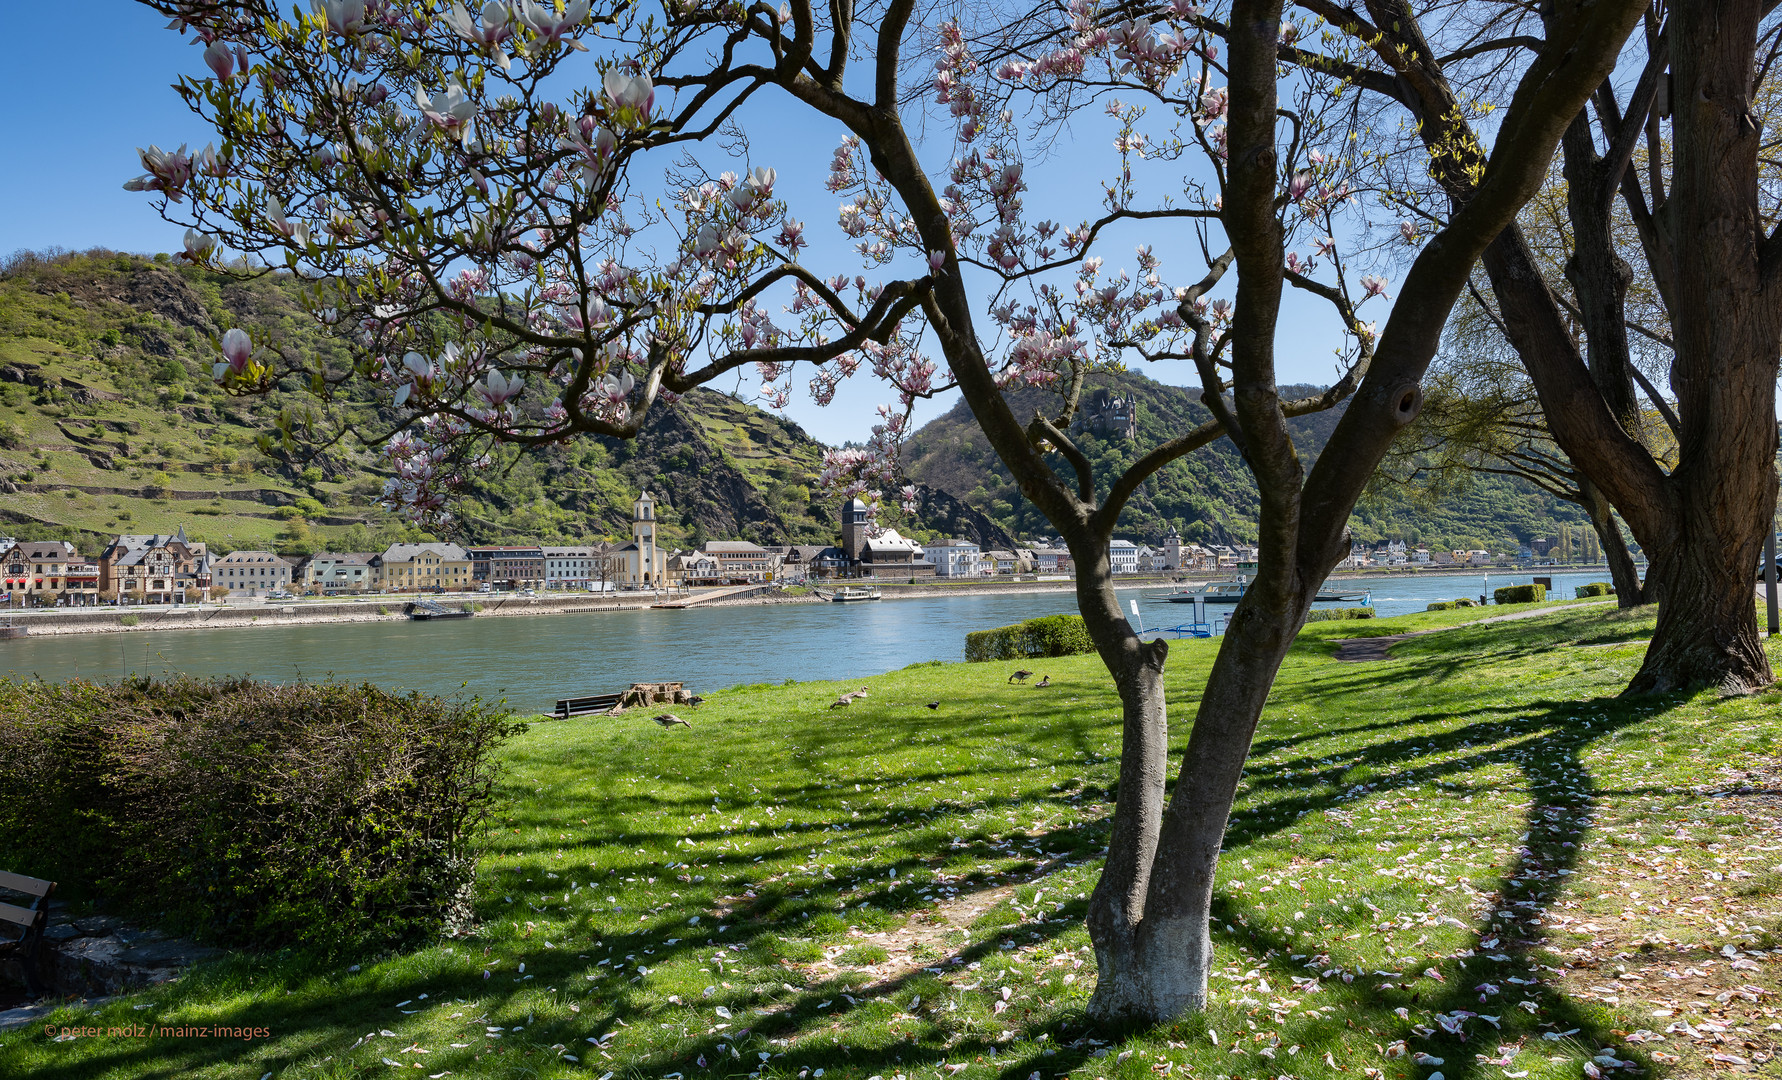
[(109, 423), (1209, 495)]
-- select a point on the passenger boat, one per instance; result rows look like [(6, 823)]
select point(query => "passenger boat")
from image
[(1230, 592), (851, 595)]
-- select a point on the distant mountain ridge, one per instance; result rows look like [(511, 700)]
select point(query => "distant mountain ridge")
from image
[(109, 423), (1209, 495)]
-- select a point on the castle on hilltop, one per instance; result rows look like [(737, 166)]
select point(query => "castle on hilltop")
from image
[(1108, 415)]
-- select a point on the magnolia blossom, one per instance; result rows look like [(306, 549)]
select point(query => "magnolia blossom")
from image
[(1408, 231), (450, 110), (499, 390), (1299, 185), (199, 247), (616, 389), (275, 216), (631, 97), (238, 351), (220, 59), (498, 25), (168, 170), (754, 189), (550, 26), (341, 16), (1374, 286), (421, 374)]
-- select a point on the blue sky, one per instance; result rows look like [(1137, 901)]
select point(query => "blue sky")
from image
[(79, 111)]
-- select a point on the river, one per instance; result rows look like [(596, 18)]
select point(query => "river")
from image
[(532, 661)]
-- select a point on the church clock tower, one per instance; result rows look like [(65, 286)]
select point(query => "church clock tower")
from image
[(643, 534)]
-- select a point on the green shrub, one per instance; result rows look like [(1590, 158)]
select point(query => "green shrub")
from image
[(1520, 594), (1595, 588), (318, 814), (129, 620), (1339, 614), (1057, 635), (1450, 605), (997, 644), (1049, 635)]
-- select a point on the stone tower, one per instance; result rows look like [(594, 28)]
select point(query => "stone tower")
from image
[(853, 529), (643, 533), (1172, 550)]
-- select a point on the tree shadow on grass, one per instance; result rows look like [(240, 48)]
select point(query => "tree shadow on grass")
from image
[(1545, 741)]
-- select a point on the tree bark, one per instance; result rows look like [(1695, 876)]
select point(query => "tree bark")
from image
[(1158, 969), (1707, 616), (1623, 573), (1703, 525)]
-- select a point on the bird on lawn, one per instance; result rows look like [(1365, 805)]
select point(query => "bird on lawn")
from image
[(934, 704), (1020, 676), (848, 698), (1045, 681), (696, 701), (669, 719)]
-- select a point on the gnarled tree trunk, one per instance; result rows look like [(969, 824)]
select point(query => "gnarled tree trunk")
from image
[(1702, 525)]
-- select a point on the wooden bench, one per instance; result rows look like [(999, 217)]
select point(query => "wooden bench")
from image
[(27, 923), (582, 706)]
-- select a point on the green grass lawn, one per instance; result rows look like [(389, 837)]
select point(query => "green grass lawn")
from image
[(1472, 851)]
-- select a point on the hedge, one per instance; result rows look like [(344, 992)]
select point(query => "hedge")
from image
[(1450, 605), (1337, 614), (318, 814), (1595, 588), (1520, 594), (1050, 635)]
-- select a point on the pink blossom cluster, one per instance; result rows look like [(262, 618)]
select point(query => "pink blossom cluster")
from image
[(952, 85)]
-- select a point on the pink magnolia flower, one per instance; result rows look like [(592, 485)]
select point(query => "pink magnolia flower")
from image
[(550, 26), (220, 59), (450, 110), (199, 247), (497, 26), (1408, 231), (238, 351), (499, 390), (168, 171), (631, 97), (341, 16), (1299, 185), (1326, 246), (1374, 286)]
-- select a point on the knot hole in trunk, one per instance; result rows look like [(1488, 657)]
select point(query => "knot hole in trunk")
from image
[(1407, 404)]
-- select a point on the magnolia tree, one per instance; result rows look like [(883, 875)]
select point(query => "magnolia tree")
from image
[(520, 262)]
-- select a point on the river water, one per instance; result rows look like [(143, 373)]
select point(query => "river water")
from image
[(532, 661)]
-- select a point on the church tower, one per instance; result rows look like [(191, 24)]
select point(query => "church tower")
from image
[(853, 528), (1172, 550), (643, 534)]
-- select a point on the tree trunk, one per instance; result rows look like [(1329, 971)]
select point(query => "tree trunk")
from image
[(1156, 970), (1117, 906), (1622, 571), (1707, 603)]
